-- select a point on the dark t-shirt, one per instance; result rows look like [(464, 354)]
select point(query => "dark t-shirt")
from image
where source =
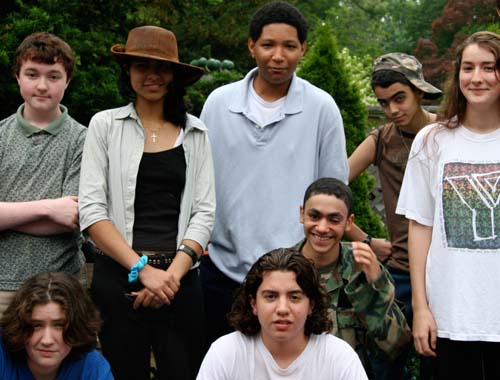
[(393, 149)]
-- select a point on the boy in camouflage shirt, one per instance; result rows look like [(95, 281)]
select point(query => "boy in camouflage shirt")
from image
[(362, 303)]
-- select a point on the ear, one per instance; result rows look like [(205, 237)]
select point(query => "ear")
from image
[(303, 48), (251, 46), (301, 214), (349, 223), (254, 308), (420, 95), (18, 79)]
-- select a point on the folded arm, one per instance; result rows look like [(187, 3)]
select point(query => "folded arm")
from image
[(41, 217)]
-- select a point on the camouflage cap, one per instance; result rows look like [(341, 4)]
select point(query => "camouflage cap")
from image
[(411, 68)]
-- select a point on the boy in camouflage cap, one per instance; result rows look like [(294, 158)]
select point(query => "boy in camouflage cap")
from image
[(361, 292), (399, 86)]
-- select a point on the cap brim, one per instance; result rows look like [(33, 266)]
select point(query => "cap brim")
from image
[(185, 73), (430, 92)]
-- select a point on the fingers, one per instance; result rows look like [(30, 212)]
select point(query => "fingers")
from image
[(424, 333), (161, 283), (146, 298)]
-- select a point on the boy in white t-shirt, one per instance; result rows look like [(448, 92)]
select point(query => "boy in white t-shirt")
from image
[(282, 324)]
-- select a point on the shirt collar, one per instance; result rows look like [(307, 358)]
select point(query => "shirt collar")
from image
[(29, 129), (129, 111), (293, 101)]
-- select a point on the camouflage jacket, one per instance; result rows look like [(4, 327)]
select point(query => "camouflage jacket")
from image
[(364, 314)]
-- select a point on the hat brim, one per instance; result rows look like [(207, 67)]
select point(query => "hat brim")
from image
[(183, 72), (430, 92)]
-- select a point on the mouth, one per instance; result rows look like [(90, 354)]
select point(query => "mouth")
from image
[(398, 120), (46, 353), (323, 238), (282, 324), (277, 70)]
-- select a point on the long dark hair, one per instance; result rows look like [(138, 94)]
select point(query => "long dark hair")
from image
[(174, 106), (241, 316), (455, 105)]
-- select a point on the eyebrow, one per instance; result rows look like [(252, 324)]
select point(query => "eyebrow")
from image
[(482, 63), (333, 214), (295, 291), (391, 97)]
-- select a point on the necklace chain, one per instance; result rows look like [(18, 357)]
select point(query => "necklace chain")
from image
[(154, 134)]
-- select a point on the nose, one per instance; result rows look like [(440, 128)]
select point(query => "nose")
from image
[(282, 307), (47, 336), (393, 108), (477, 75), (322, 225), (278, 54), (42, 83)]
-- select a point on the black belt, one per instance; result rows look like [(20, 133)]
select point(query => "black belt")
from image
[(156, 259), (160, 260)]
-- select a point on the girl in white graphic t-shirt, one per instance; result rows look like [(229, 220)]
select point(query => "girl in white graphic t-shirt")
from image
[(450, 195)]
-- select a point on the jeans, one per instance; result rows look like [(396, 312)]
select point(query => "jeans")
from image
[(218, 292)]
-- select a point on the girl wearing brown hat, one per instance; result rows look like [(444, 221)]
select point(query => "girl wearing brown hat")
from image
[(147, 202)]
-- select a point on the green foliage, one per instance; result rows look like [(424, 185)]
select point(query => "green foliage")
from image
[(198, 92), (90, 31), (211, 28), (360, 69), (324, 68)]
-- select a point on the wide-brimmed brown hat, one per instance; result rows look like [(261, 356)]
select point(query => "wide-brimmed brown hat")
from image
[(156, 43)]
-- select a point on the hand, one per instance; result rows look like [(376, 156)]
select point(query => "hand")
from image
[(366, 260), (382, 248), (424, 332), (63, 211), (163, 284), (146, 298)]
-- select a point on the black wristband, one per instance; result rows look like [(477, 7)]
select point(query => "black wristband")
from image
[(368, 240), (189, 251)]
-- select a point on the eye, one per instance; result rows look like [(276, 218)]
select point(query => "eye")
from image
[(269, 296), (296, 297), (54, 77), (313, 216), (400, 99), (489, 68), (383, 103), (334, 220), (466, 68), (141, 66)]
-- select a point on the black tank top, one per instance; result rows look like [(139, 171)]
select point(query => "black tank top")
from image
[(160, 183)]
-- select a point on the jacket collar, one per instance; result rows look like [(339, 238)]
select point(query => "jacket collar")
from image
[(129, 111)]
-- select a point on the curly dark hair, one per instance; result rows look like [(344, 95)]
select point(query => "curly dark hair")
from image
[(43, 47), (82, 320), (278, 12), (174, 106), (241, 316), (455, 103)]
